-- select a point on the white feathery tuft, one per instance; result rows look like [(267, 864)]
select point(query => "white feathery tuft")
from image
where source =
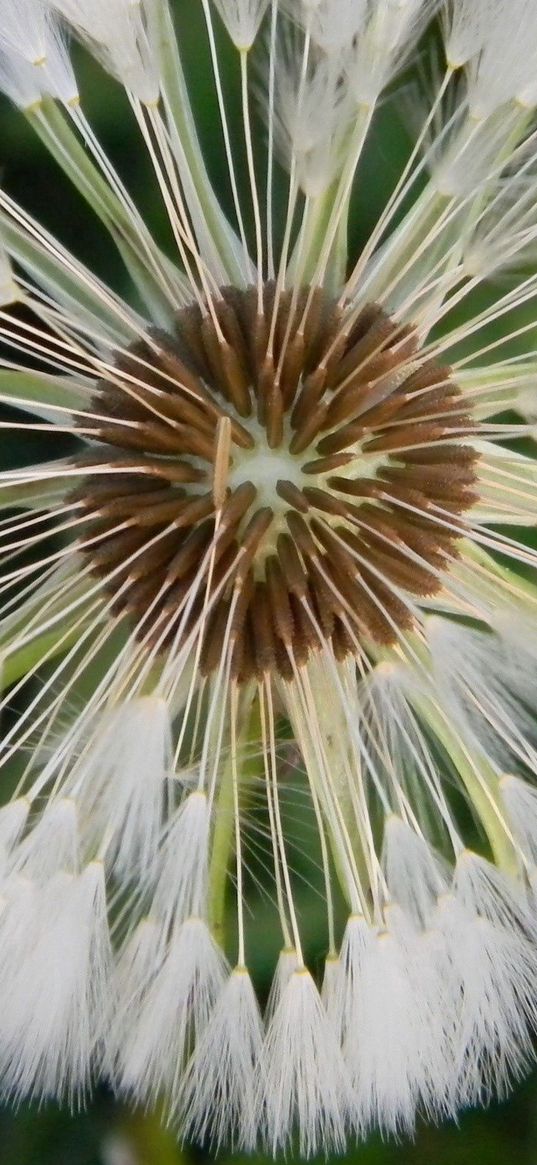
[(312, 118), (181, 886), (13, 818), (385, 1010), (287, 964), (33, 57), (330, 989), (218, 1094), (135, 967), (376, 54), (464, 162), (484, 890), (54, 997), (489, 973), (242, 19), (120, 783), (487, 681), (466, 23), (331, 24), (505, 234), (303, 1084), (52, 844), (25, 28), (342, 985), (118, 32), (414, 874), (520, 800), (154, 1029), (497, 41)]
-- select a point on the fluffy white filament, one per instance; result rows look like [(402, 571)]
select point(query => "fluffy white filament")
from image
[(163, 999), (13, 818), (33, 57), (520, 799), (242, 19), (218, 1096), (118, 33), (490, 974), (497, 39), (53, 992), (303, 1083), (120, 783), (51, 845), (312, 122), (181, 885)]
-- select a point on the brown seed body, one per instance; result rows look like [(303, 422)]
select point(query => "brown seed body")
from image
[(276, 481)]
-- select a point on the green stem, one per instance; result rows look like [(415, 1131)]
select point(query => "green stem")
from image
[(82, 297), (221, 851), (43, 394), (479, 777), (131, 238), (481, 783), (305, 260), (26, 659), (517, 582), (322, 245), (30, 495), (397, 259), (202, 201), (415, 248), (223, 847)]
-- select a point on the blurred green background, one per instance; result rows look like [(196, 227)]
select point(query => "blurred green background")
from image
[(106, 1133)]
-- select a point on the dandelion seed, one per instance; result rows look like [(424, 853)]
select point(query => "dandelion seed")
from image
[(292, 518)]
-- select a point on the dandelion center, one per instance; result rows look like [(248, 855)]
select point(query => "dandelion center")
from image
[(283, 469)]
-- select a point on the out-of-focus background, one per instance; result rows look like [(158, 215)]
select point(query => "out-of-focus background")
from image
[(105, 1132)]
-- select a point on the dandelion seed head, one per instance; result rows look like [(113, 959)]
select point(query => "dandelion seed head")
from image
[(266, 627)]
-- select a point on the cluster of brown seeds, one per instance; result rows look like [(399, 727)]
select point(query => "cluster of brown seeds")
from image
[(371, 515)]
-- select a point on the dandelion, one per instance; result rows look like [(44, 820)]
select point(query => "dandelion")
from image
[(279, 594)]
